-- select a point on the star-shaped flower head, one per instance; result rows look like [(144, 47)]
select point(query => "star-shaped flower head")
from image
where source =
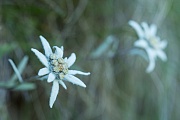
[(57, 68), (150, 42)]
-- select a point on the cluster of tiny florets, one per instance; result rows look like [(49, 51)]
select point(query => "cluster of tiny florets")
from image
[(58, 66), (153, 42)]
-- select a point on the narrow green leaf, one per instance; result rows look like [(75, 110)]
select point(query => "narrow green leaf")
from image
[(107, 48), (140, 52), (25, 86), (7, 85), (16, 70), (20, 67)]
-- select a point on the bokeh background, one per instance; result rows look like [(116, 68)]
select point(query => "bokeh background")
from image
[(118, 87)]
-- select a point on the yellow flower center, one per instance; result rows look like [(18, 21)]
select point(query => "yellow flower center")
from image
[(58, 66), (154, 42)]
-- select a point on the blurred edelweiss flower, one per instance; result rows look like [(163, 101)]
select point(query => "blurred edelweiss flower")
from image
[(57, 68), (150, 42)]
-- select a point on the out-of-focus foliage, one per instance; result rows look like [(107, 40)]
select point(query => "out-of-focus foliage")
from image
[(5, 48), (107, 49), (16, 82), (118, 87)]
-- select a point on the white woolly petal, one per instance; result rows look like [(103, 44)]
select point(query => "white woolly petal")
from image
[(43, 71), (153, 29), (58, 52), (51, 77), (46, 46), (145, 26), (161, 55), (137, 28), (41, 57), (163, 44), (54, 93), (62, 48), (146, 30), (71, 59), (141, 43), (152, 57), (151, 66), (74, 80), (62, 83), (74, 72)]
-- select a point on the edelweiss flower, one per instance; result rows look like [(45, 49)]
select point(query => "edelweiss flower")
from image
[(57, 68), (150, 42)]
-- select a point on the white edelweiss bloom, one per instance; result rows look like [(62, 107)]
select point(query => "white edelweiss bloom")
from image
[(150, 42), (57, 68)]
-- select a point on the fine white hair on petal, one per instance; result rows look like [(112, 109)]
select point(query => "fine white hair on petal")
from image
[(51, 77), (137, 28), (71, 60), (62, 83), (46, 46), (163, 44), (152, 57), (74, 80), (58, 52), (74, 72), (161, 55), (141, 43), (43, 71), (41, 57), (54, 93), (16, 70)]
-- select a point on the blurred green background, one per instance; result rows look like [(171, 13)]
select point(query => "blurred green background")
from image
[(118, 87)]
